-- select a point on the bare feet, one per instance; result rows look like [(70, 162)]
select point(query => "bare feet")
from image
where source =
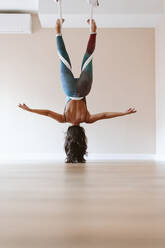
[(94, 27), (58, 25)]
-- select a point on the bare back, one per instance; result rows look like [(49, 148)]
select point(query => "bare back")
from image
[(76, 112)]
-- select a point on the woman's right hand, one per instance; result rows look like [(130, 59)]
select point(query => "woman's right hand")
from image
[(24, 107)]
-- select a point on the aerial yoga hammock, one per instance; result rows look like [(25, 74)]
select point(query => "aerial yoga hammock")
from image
[(76, 90)]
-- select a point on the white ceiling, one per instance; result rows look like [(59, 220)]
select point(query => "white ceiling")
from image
[(110, 13), (106, 6), (81, 6)]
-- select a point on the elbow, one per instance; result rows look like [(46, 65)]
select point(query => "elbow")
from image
[(48, 113), (89, 122), (106, 116)]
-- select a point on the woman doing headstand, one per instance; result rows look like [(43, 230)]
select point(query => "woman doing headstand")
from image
[(76, 90)]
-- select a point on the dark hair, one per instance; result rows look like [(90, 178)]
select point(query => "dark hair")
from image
[(75, 145)]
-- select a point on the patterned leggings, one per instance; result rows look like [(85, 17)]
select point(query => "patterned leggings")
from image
[(76, 87)]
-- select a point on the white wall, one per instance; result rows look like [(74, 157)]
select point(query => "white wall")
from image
[(124, 76), (160, 69)]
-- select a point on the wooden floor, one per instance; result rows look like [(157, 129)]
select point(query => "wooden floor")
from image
[(101, 205)]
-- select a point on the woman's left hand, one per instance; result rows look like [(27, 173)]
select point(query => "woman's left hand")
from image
[(131, 111)]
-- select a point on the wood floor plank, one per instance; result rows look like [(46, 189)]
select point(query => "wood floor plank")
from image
[(97, 205)]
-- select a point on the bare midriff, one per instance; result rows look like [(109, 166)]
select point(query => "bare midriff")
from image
[(76, 112)]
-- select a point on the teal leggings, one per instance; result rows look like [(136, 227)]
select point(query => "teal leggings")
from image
[(76, 87)]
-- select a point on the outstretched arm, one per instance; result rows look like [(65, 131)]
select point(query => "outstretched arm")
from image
[(109, 115), (58, 117)]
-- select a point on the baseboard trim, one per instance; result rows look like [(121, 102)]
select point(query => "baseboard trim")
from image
[(108, 157), (23, 158)]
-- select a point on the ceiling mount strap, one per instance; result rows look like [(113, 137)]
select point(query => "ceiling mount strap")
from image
[(93, 3), (59, 9)]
